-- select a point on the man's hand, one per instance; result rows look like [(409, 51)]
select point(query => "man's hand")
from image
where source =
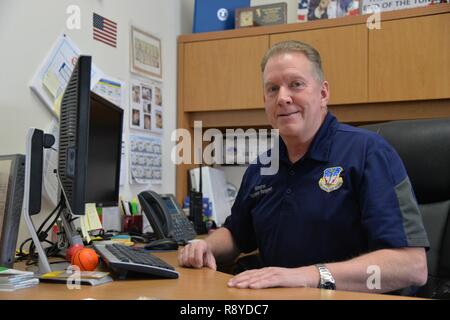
[(276, 277), (197, 254)]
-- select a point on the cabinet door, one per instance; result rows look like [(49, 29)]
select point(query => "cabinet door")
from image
[(344, 59), (410, 59), (223, 74)]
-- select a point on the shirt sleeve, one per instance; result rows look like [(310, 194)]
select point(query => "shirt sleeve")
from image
[(240, 222), (390, 213)]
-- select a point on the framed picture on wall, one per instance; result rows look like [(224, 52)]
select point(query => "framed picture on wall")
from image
[(145, 54)]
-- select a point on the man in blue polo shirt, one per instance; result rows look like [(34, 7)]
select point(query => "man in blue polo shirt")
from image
[(340, 207)]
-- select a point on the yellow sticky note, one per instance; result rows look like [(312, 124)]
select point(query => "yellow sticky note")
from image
[(57, 104), (92, 217), (52, 83), (84, 231)]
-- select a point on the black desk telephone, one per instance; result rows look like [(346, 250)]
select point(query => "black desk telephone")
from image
[(166, 217)]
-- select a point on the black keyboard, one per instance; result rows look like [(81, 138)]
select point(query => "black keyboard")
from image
[(122, 259)]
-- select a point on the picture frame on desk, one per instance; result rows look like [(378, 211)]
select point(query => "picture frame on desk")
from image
[(146, 58)]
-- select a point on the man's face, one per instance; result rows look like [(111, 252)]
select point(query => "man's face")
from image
[(294, 100)]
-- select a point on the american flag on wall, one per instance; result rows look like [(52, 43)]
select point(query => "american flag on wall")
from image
[(105, 30)]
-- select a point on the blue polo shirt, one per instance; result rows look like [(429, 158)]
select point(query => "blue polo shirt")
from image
[(348, 195)]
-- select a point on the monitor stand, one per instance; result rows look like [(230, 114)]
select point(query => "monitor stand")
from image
[(33, 194)]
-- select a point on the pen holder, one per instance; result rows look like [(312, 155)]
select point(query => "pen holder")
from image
[(132, 224)]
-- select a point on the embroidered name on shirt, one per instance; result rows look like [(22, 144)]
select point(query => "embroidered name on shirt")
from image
[(331, 179), (259, 190)]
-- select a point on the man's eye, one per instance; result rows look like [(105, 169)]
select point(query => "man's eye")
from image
[(297, 84), (272, 89)]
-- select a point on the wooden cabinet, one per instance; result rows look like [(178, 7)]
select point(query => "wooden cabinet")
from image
[(224, 74), (409, 59), (344, 59), (401, 71)]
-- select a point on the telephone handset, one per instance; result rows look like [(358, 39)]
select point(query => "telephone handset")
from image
[(166, 217)]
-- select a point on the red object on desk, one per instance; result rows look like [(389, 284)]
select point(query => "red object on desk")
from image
[(132, 224), (86, 259), (72, 250)]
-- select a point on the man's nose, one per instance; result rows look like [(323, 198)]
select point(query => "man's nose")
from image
[(284, 96)]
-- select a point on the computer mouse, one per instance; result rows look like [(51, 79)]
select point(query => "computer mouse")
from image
[(162, 244)]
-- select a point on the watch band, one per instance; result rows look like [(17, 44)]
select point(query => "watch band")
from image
[(326, 278)]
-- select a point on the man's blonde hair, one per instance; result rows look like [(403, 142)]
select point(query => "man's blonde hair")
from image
[(295, 46)]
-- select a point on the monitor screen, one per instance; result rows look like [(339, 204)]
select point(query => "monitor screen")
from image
[(105, 144)]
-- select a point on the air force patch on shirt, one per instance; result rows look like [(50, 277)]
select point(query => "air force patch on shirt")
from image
[(331, 179)]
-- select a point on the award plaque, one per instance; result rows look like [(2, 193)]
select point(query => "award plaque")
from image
[(264, 15)]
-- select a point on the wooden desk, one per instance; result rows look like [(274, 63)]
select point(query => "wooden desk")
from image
[(193, 284)]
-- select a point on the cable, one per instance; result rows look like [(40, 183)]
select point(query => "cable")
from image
[(41, 235), (48, 217)]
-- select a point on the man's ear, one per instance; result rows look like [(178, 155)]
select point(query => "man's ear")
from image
[(325, 93)]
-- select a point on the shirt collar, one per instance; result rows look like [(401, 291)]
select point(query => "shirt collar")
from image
[(320, 146)]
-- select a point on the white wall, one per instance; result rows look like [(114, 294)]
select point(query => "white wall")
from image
[(28, 30)]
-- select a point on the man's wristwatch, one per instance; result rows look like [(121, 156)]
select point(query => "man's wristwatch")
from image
[(326, 279)]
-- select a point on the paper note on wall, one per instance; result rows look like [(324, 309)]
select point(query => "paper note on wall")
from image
[(146, 159), (55, 71)]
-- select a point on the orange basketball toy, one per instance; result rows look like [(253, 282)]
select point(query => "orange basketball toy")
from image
[(86, 259)]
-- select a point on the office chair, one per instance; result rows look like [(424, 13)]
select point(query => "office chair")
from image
[(424, 147)]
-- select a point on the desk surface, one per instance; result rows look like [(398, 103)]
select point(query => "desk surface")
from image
[(193, 284)]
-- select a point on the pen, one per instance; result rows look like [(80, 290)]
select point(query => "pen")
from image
[(130, 208), (123, 207)]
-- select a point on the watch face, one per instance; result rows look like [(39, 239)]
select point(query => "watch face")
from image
[(328, 285)]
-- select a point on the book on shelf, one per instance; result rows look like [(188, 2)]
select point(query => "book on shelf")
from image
[(215, 15), (92, 278)]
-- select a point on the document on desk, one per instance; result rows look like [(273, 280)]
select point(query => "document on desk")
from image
[(92, 278), (90, 221)]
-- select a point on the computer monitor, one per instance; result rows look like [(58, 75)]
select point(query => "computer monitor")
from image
[(74, 136), (89, 144), (90, 140), (12, 172)]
